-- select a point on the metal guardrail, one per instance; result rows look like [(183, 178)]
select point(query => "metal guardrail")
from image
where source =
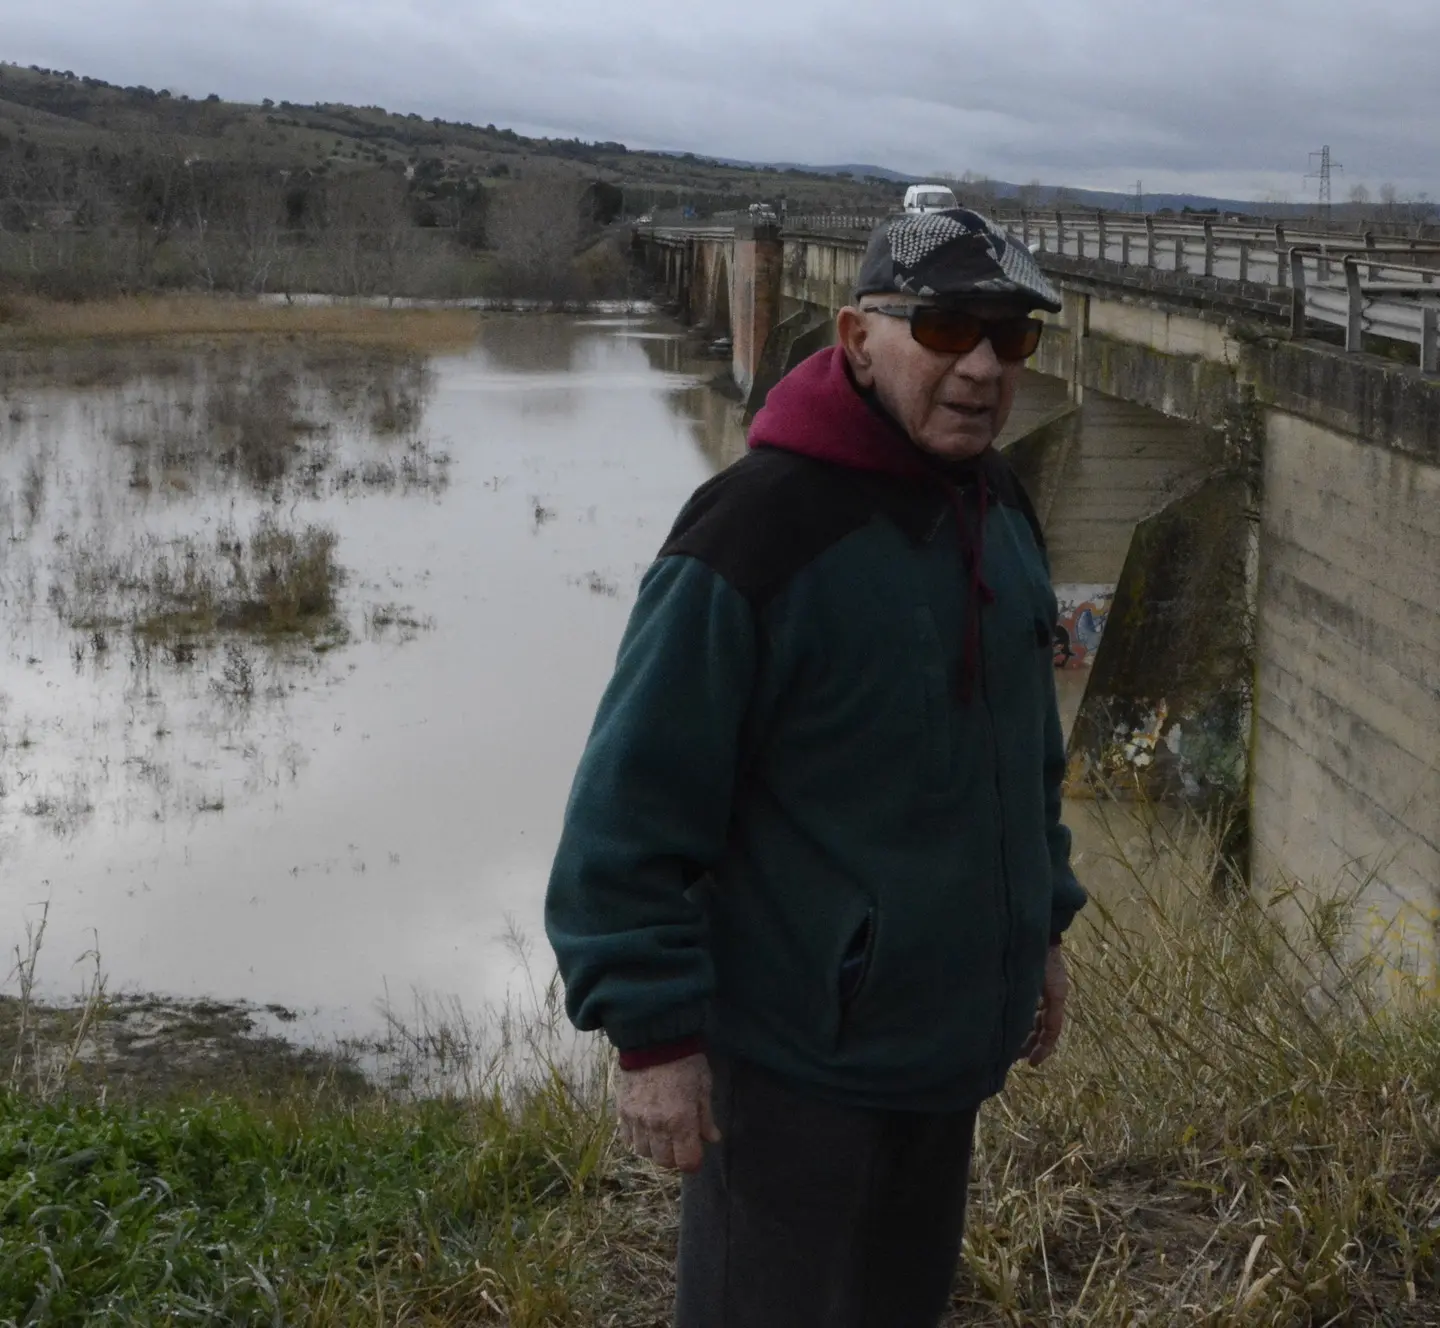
[(1387, 288), (1397, 298), (836, 221), (1392, 306)]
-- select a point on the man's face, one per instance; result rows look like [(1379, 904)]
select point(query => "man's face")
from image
[(952, 406)]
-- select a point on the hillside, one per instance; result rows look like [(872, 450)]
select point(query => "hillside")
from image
[(82, 114)]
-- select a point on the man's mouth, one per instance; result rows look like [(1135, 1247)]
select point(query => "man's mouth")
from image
[(966, 411)]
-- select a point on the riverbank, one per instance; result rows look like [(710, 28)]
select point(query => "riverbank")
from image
[(31, 321), (1217, 1142)]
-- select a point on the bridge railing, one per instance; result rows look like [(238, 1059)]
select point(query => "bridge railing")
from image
[(1365, 285), (1210, 248), (1402, 304), (1368, 286), (835, 221)]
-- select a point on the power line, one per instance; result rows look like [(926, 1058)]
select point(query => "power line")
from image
[(1327, 166)]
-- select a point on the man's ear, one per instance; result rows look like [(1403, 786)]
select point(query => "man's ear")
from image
[(853, 333)]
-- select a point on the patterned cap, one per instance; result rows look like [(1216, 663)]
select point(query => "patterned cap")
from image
[(952, 254)]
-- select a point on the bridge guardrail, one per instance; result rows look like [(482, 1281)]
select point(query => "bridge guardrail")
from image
[(1392, 300), (1397, 297)]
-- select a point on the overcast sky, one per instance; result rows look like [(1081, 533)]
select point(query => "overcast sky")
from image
[(1223, 97)]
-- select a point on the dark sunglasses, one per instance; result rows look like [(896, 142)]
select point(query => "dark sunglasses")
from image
[(958, 331)]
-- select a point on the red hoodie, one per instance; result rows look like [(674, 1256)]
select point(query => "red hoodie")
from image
[(818, 411)]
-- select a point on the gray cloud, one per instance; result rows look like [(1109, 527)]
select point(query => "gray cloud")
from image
[(1228, 96)]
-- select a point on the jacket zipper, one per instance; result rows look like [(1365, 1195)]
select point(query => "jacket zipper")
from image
[(1004, 864)]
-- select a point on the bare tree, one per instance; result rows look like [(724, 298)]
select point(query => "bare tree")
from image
[(367, 234), (1360, 195), (257, 230), (534, 231), (50, 203), (156, 177), (978, 188), (234, 217)]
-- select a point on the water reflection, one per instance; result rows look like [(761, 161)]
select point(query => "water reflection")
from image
[(251, 816)]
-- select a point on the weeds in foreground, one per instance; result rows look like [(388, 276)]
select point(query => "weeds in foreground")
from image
[(40, 1065), (1243, 1127), (1236, 1130)]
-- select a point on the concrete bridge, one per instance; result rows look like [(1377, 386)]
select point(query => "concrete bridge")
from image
[(1232, 435)]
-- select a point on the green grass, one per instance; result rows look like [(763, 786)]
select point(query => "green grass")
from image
[(224, 1212), (1242, 1127)]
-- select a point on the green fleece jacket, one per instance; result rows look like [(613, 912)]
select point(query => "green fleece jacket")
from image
[(806, 826)]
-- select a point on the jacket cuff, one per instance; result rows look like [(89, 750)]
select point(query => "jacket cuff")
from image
[(678, 1024), (646, 1058), (1069, 898)]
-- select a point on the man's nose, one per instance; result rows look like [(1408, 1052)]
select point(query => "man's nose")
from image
[(981, 364)]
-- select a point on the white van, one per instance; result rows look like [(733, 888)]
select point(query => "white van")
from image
[(929, 198)]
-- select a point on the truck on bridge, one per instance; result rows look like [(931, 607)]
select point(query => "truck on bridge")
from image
[(929, 198)]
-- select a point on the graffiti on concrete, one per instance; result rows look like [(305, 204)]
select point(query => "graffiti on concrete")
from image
[(1083, 611)]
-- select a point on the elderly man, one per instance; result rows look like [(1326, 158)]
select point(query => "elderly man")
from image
[(813, 877)]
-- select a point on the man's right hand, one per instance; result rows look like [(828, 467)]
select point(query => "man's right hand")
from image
[(665, 1112)]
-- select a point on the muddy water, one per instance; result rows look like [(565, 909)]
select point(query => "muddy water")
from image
[(273, 823), (323, 822)]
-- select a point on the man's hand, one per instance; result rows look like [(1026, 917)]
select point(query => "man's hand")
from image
[(665, 1112), (1050, 1018)]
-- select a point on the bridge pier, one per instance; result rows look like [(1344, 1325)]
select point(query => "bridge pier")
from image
[(758, 266)]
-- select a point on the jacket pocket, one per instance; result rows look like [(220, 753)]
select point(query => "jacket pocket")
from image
[(854, 969)]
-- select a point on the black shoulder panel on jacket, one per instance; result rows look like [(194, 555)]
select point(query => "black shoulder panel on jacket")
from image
[(760, 521), (1006, 486)]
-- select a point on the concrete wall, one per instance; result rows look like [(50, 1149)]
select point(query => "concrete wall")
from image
[(1168, 700), (1128, 463), (1165, 330), (821, 271), (1346, 786)]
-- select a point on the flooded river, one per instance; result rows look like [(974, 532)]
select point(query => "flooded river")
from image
[(264, 820), (319, 817)]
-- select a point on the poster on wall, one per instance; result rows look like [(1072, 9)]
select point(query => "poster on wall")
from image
[(1083, 613)]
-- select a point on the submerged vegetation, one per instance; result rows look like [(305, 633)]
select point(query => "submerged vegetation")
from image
[(277, 582), (169, 527), (1237, 1130), (271, 419)]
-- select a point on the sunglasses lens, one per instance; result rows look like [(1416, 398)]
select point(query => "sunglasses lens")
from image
[(955, 332), (948, 331), (1016, 338)]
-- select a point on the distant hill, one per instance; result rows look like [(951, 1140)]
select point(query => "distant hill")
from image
[(76, 113), (860, 172)]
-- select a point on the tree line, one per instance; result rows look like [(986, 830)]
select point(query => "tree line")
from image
[(158, 216)]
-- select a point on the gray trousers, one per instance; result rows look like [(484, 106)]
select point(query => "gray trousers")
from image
[(810, 1215)]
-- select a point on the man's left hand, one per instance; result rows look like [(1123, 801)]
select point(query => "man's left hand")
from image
[(1050, 1018)]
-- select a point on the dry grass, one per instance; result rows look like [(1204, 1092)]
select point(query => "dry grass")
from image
[(1240, 1127), (28, 320), (1235, 1132)]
